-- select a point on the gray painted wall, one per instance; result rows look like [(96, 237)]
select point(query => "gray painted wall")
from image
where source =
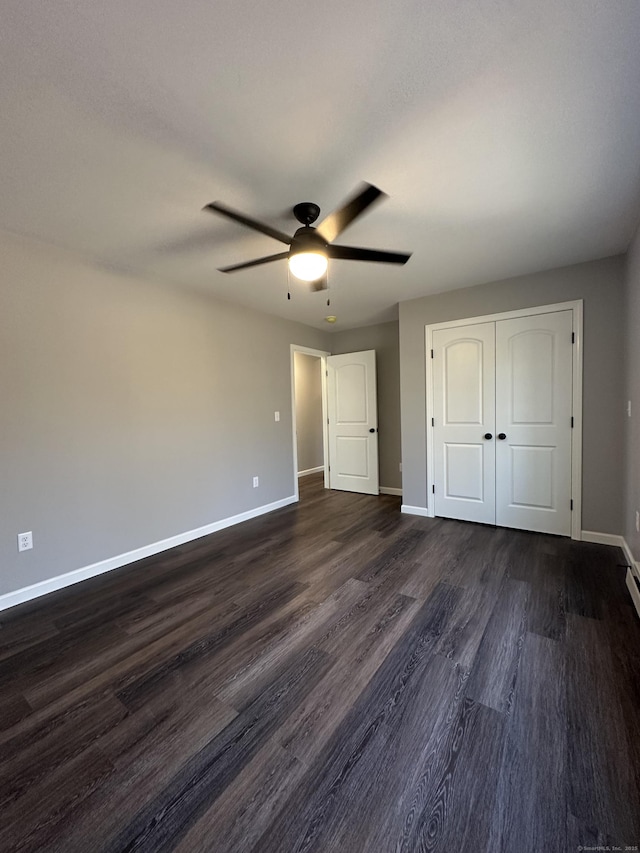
[(384, 339), (131, 411), (600, 284), (632, 392), (308, 385)]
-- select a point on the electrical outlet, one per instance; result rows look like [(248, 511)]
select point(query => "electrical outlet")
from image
[(637, 521), (277, 416), (25, 541), (400, 467), (256, 482), (628, 408)]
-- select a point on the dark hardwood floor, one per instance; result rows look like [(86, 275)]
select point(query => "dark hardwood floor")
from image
[(334, 676)]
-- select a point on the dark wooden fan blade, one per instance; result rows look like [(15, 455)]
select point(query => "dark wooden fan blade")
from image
[(246, 264), (219, 207), (335, 223), (353, 253)]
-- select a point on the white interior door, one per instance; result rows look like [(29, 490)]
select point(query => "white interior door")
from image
[(353, 422), (464, 415), (533, 420)]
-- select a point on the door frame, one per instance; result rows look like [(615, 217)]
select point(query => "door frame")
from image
[(576, 307), (322, 355)]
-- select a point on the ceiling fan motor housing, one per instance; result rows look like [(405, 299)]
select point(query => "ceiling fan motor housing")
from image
[(307, 239)]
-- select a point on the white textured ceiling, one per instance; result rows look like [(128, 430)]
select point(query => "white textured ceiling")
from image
[(506, 133)]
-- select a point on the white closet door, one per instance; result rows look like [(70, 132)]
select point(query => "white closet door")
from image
[(533, 413), (464, 411), (353, 422)]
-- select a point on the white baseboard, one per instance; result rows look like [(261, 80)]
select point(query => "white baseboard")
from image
[(308, 471), (415, 510), (603, 539), (613, 540), (635, 565), (389, 490), (28, 593), (633, 590), (619, 542)]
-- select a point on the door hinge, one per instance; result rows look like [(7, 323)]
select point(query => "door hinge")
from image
[(573, 337), (572, 504), (431, 353), (433, 421), (433, 489), (572, 423)]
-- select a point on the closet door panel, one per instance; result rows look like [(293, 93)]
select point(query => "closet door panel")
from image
[(533, 411), (464, 411)]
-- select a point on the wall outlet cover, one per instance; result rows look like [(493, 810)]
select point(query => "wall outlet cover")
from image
[(25, 541)]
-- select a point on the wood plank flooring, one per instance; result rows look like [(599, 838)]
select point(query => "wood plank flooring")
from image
[(334, 676)]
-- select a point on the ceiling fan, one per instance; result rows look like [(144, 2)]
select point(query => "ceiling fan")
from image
[(311, 247)]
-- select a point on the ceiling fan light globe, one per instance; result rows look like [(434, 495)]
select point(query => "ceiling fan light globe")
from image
[(308, 266)]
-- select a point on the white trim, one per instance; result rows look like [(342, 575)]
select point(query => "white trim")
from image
[(633, 573), (308, 471), (322, 355), (415, 510), (576, 307), (633, 590), (431, 501), (604, 539), (508, 315), (35, 590), (628, 555), (576, 432), (388, 490), (616, 542), (325, 419)]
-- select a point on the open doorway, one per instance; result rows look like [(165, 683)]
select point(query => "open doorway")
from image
[(309, 414), (335, 419)]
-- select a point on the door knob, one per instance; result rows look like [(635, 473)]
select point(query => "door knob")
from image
[(372, 429), (502, 436), (488, 435)]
